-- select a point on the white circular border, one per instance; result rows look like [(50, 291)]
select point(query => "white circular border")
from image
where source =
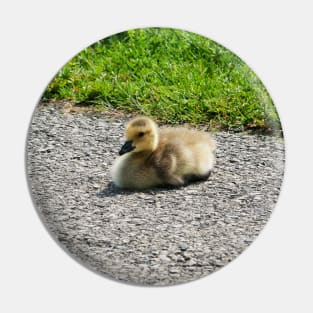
[(273, 38)]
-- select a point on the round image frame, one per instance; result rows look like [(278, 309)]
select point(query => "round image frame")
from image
[(199, 236)]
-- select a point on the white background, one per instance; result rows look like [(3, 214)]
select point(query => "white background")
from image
[(274, 38)]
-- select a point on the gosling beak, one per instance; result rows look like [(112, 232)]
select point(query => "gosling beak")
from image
[(127, 146)]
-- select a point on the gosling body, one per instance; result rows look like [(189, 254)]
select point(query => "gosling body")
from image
[(154, 157)]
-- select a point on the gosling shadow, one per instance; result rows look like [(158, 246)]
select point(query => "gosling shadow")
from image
[(112, 190)]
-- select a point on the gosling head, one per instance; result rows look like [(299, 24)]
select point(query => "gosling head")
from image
[(141, 136)]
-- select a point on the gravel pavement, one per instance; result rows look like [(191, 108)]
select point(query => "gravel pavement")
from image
[(155, 237)]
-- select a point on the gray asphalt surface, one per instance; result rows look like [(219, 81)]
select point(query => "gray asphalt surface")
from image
[(155, 237)]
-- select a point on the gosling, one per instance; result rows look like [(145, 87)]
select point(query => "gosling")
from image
[(153, 157)]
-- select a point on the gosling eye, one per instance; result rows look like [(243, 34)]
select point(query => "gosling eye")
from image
[(141, 134)]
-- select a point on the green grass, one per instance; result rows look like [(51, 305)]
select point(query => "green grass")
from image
[(173, 75)]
